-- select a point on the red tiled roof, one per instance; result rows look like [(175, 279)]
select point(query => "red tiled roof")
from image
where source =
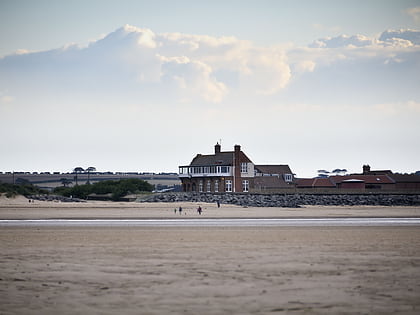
[(315, 182), (368, 179)]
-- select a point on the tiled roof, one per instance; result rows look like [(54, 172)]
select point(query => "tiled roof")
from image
[(273, 169), (323, 182), (405, 178), (368, 179), (222, 158), (269, 182), (315, 182)]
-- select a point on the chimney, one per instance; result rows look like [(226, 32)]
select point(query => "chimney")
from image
[(366, 169), (237, 184), (217, 148)]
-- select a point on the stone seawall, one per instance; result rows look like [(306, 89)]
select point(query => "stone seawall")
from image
[(289, 200)]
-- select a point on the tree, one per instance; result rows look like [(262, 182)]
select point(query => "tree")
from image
[(65, 181), (78, 170), (323, 173), (89, 170), (339, 171)]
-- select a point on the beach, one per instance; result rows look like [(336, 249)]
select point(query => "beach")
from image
[(206, 270)]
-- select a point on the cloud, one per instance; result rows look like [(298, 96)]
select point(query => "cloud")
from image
[(304, 66), (356, 69), (396, 38), (137, 62), (137, 92), (193, 80), (408, 35), (343, 41), (414, 13)]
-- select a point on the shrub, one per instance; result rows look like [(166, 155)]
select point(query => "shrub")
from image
[(118, 188)]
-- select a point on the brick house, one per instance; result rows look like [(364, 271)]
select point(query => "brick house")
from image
[(231, 171)]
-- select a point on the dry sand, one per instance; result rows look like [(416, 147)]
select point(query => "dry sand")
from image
[(202, 270), (20, 208)]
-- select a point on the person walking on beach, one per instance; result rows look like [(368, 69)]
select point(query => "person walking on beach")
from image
[(180, 210), (218, 203), (199, 210), (175, 210)]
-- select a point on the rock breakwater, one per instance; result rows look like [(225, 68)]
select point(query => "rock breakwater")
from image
[(289, 200)]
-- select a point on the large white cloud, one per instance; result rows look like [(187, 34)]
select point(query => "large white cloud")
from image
[(136, 96), (190, 68)]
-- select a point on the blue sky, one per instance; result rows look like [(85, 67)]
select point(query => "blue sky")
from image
[(45, 24), (145, 85)]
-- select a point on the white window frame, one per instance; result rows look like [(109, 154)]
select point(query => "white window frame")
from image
[(244, 167), (216, 186), (200, 186), (288, 177), (208, 188), (228, 185), (245, 185)]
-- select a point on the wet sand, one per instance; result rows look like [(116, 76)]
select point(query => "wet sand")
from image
[(207, 270)]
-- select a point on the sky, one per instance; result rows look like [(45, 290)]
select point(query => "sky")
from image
[(143, 86)]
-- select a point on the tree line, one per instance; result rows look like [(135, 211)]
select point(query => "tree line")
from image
[(24, 189), (116, 188)]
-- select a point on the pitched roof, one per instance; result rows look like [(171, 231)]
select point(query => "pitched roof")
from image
[(273, 169), (222, 158), (405, 178), (315, 182), (368, 179), (269, 182)]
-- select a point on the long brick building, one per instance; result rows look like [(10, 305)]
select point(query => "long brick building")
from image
[(232, 171)]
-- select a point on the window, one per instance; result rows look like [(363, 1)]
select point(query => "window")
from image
[(244, 167), (216, 186), (228, 185), (200, 186), (288, 177), (245, 185), (208, 186)]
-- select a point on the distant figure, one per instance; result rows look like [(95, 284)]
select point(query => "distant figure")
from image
[(218, 203), (175, 210), (180, 210), (199, 210)]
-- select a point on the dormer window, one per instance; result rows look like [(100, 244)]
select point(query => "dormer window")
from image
[(288, 177)]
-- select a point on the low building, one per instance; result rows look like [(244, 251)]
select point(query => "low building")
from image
[(232, 171), (367, 182), (406, 182), (319, 183)]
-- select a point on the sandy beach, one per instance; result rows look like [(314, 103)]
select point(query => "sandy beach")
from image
[(206, 270), (20, 208)]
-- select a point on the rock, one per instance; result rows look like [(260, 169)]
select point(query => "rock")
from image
[(288, 200)]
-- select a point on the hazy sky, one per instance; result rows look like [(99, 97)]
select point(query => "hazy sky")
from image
[(146, 85)]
